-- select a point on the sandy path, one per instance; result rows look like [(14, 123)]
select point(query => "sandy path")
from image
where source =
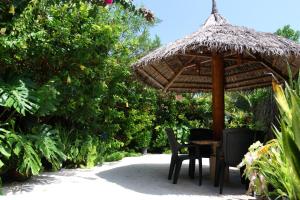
[(141, 178)]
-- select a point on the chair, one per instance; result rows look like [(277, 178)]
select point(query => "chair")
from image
[(204, 151), (235, 145), (176, 158)]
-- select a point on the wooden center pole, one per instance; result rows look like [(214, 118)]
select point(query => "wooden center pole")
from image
[(218, 106)]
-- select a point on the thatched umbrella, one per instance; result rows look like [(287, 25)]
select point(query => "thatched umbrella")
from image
[(217, 57)]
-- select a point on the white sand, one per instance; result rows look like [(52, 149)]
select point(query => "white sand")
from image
[(140, 178)]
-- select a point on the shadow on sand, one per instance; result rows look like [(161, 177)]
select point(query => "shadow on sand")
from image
[(152, 179), (27, 186), (45, 178)]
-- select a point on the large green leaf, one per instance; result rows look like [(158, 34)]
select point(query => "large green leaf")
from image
[(5, 151), (48, 145), (17, 95), (295, 108), (289, 137), (293, 153)]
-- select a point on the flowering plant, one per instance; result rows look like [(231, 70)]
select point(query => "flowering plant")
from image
[(252, 172), (265, 169), (109, 1), (129, 5)]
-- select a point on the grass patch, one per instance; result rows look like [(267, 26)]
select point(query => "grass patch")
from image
[(120, 155)]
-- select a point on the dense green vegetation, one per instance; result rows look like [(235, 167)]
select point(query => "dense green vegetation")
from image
[(68, 97), (273, 168), (66, 93), (289, 33)]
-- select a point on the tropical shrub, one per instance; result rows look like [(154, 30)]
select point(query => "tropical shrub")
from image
[(288, 32), (273, 169), (180, 115), (66, 82), (47, 143), (17, 152), (120, 155), (252, 109), (266, 168), (289, 133), (81, 149)]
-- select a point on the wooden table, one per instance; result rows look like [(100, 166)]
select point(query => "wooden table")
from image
[(212, 161)]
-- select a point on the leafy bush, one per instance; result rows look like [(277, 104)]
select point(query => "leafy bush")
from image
[(119, 155), (15, 94), (115, 156), (66, 78), (288, 135), (273, 169), (48, 144), (266, 168), (19, 154), (180, 115), (252, 109), (81, 150), (143, 139)]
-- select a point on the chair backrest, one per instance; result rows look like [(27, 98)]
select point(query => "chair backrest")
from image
[(200, 134), (236, 142), (172, 140), (259, 136)]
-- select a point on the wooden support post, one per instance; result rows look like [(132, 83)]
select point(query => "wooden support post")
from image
[(218, 95)]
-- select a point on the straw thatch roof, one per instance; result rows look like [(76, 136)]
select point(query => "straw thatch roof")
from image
[(250, 58)]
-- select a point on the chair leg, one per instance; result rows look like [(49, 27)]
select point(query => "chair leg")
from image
[(217, 173), (192, 168), (177, 171), (172, 166), (247, 183), (222, 171), (200, 171), (243, 179)]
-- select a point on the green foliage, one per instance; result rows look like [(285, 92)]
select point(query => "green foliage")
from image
[(189, 111), (25, 151), (47, 142), (67, 82), (82, 150), (115, 156), (22, 156), (119, 155), (16, 95), (252, 109), (143, 139), (266, 168), (138, 127), (5, 149), (289, 136), (289, 33), (273, 169), (48, 98)]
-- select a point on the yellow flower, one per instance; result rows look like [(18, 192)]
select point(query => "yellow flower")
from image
[(264, 149), (82, 67), (12, 10)]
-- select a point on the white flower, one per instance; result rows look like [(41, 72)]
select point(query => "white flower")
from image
[(252, 176), (250, 157), (255, 145)]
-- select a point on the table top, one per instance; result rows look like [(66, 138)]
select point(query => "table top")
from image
[(206, 142)]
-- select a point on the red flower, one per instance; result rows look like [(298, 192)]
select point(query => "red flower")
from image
[(109, 1)]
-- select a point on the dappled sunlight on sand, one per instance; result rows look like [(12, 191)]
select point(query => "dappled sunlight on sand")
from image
[(142, 177)]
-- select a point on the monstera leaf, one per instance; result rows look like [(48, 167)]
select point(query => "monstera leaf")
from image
[(17, 95)]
